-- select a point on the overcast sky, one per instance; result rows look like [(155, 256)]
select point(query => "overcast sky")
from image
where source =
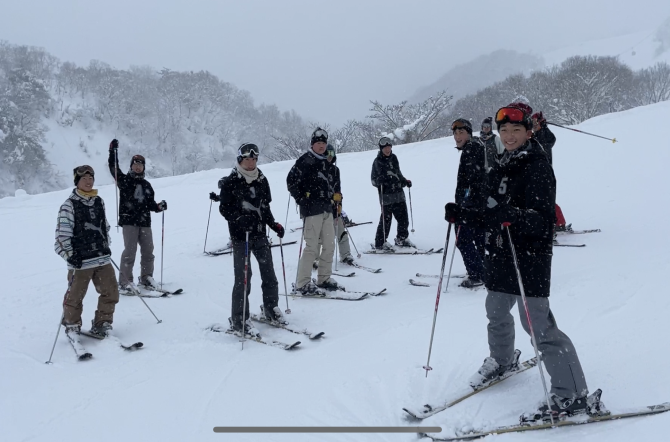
[(325, 59)]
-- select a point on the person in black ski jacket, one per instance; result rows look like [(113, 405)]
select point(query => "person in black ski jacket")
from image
[(520, 197), (469, 193), (311, 185), (136, 202), (389, 181), (486, 134), (245, 203)]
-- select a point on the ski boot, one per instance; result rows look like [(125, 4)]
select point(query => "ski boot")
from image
[(491, 370), (384, 248), (249, 329), (274, 314), (149, 282), (310, 289), (566, 407), (471, 283), (129, 289), (404, 242), (348, 260), (330, 284), (101, 330)]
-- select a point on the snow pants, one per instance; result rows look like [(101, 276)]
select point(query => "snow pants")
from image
[(104, 281), (555, 347), (319, 242), (342, 239), (471, 245), (260, 248), (399, 210), (133, 235)]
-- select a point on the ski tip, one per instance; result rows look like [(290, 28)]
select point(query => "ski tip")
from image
[(316, 335), (85, 357)]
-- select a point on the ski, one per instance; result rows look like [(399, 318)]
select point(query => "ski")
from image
[(418, 283), (367, 269), (163, 293), (430, 410), (286, 327), (566, 422), (404, 252), (421, 275), (381, 292), (219, 251), (221, 329), (229, 251), (135, 346), (348, 275), (78, 347), (331, 295), (556, 244), (578, 232)]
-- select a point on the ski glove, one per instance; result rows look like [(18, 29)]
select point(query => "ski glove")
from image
[(162, 205), (214, 197), (337, 197), (278, 228), (75, 260), (451, 212), (114, 145), (408, 183), (540, 119), (502, 214)]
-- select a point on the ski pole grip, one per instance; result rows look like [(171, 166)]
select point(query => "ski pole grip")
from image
[(506, 224)]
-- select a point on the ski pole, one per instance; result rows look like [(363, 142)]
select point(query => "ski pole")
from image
[(139, 296), (336, 241), (530, 324), (244, 294), (207, 231), (288, 204), (116, 182), (283, 269), (381, 200), (358, 255), (162, 245), (411, 213), (62, 316), (302, 238), (453, 253), (427, 367), (613, 140)]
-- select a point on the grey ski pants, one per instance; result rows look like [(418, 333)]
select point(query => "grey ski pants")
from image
[(342, 238), (133, 235), (556, 349), (317, 228)]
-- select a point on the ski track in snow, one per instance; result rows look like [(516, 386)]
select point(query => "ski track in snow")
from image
[(609, 297)]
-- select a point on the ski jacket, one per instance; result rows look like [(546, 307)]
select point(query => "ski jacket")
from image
[(488, 140), (136, 196), (310, 184), (82, 229), (388, 179), (547, 139), (524, 180), (238, 198), (471, 174)]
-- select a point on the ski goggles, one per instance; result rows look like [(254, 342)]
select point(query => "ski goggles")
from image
[(511, 115), (248, 150), (138, 159), (83, 170), (330, 152), (320, 133), (385, 141)]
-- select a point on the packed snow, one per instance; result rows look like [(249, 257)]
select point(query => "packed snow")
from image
[(610, 297)]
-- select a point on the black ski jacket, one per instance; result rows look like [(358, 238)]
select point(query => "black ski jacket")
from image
[(471, 174), (525, 181), (488, 140), (547, 139), (388, 179), (310, 184), (238, 198), (136, 197)]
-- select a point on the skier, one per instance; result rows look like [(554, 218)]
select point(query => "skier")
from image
[(136, 201), (469, 189), (245, 203), (389, 181), (486, 134), (341, 235), (82, 240), (309, 184), (521, 191), (547, 139)]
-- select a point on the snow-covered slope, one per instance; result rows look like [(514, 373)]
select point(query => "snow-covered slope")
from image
[(610, 297)]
